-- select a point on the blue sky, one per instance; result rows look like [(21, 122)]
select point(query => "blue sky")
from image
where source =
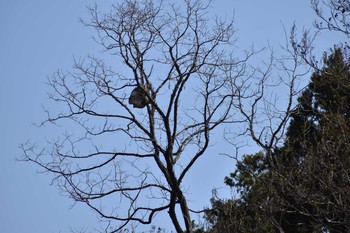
[(37, 38)]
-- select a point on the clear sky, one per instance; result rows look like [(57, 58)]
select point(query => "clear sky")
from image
[(38, 37)]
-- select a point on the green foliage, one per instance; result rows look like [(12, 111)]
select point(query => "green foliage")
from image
[(245, 177), (308, 190)]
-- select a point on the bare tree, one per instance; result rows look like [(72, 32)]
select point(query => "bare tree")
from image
[(332, 16), (182, 76), (337, 16), (266, 108), (268, 96)]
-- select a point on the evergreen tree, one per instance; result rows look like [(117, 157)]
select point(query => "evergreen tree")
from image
[(308, 190)]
